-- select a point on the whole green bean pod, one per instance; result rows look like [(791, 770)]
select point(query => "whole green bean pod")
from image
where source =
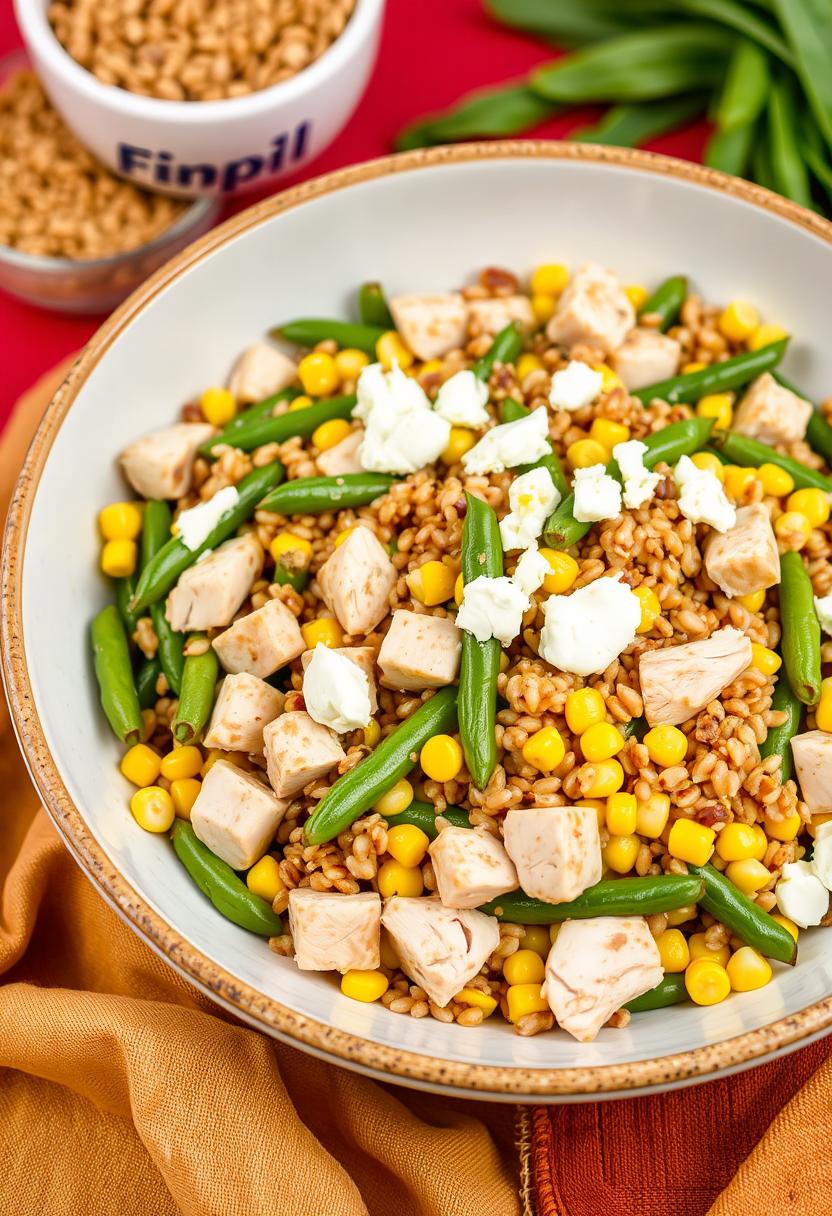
[(666, 301), (482, 554), (423, 815), (670, 990), (315, 495), (717, 377), (610, 897), (114, 673), (800, 641), (247, 419), (778, 740), (372, 307), (395, 756), (125, 590), (818, 430), (146, 677), (226, 891), (160, 574), (171, 650), (513, 411), (743, 917), (268, 429), (196, 699), (743, 450), (506, 348), (309, 331)]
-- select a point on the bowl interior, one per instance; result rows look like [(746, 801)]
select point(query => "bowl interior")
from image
[(430, 226)]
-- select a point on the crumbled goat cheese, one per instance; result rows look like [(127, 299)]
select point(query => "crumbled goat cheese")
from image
[(531, 570), (823, 607), (402, 433), (597, 495), (801, 895), (492, 608), (702, 499), (195, 525), (336, 691), (639, 483), (585, 631), (575, 386), (532, 497), (462, 400), (512, 444)]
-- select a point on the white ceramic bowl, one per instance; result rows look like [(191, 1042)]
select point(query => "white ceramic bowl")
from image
[(210, 147), (514, 205)]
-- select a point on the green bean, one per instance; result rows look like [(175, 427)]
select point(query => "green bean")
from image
[(125, 590), (778, 740), (505, 348), (160, 574), (226, 891), (508, 109), (666, 301), (314, 495), (717, 377), (610, 897), (196, 700), (423, 815), (819, 436), (268, 429), (512, 411), (372, 307), (482, 554), (807, 25), (745, 91), (146, 677), (246, 420), (636, 726), (395, 756), (291, 569), (670, 990), (170, 652), (727, 904), (730, 151), (790, 173), (630, 126), (800, 641), (743, 450), (309, 331), (113, 670)]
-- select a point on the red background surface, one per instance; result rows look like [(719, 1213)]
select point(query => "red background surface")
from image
[(432, 51)]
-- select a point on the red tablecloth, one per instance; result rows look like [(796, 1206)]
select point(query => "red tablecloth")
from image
[(430, 53)]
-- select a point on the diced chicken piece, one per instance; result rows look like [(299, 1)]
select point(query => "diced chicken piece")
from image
[(471, 867), (430, 326), (334, 932), (596, 966), (812, 753), (745, 558), (356, 581), (678, 681), (363, 657), (259, 372), (495, 313), (342, 458), (593, 309), (557, 850), (244, 706), (210, 592), (261, 642), (235, 815), (771, 413), (419, 651), (298, 750), (160, 465), (646, 357), (440, 948)]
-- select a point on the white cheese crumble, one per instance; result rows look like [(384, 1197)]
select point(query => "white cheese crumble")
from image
[(702, 499), (507, 446), (801, 895), (492, 608), (462, 400), (639, 483), (597, 495), (336, 691), (531, 570), (585, 631), (575, 386), (532, 497), (823, 607), (195, 525), (402, 433)]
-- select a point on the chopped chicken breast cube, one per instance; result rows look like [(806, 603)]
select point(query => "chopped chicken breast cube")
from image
[(771, 413), (334, 932), (812, 753), (440, 948), (646, 357), (419, 651), (298, 750), (431, 326), (471, 867), (679, 681), (342, 458), (244, 706), (210, 592), (160, 465), (261, 642), (593, 309), (261, 371), (745, 558), (491, 315), (556, 849), (356, 581), (363, 657), (235, 815)]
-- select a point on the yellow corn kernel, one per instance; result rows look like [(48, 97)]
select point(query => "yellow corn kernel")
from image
[(504, 661), (181, 762), (621, 814), (365, 986), (235, 758), (706, 981), (787, 924), (118, 558), (325, 630), (299, 546), (441, 758), (372, 733), (738, 321), (651, 609), (407, 844), (218, 406), (608, 778), (432, 583), (637, 295), (523, 999), (477, 1000), (609, 433), (120, 521), (601, 741), (300, 403), (736, 479), (783, 829), (528, 363), (429, 367), (652, 816), (620, 852), (793, 528), (764, 335), (812, 503), (762, 841), (330, 432), (585, 707), (718, 406), (564, 571), (152, 809), (184, 792), (586, 452), (687, 369), (753, 601), (748, 970), (711, 462), (666, 745), (397, 799), (391, 349), (609, 378), (823, 714), (387, 952), (141, 765), (459, 587), (549, 279), (536, 937), (749, 875), (543, 307), (673, 950), (544, 749), (350, 363), (775, 480), (460, 441), (765, 660), (699, 948), (554, 930), (599, 806), (524, 967), (264, 879), (318, 374), (342, 536), (736, 842), (689, 841), (678, 916), (395, 879)]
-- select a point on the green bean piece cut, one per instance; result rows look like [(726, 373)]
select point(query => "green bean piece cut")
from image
[(779, 738), (610, 897), (170, 652), (125, 589), (506, 348), (423, 815), (726, 903), (146, 677), (800, 641), (372, 307), (309, 331), (819, 436), (247, 420), (226, 891), (482, 555), (270, 429), (743, 450), (670, 990), (196, 700), (114, 673), (315, 495), (666, 301), (717, 377)]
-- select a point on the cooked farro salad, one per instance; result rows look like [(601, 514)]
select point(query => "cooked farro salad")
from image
[(483, 637)]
